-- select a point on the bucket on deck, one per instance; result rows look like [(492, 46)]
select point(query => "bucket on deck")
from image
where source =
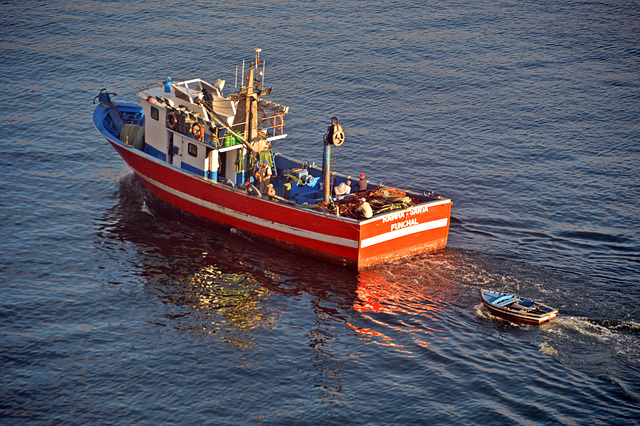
[(231, 138), (286, 190)]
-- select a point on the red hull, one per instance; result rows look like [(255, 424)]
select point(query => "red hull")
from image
[(348, 242)]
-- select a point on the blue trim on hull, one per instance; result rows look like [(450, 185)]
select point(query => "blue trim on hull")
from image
[(192, 169), (155, 152)]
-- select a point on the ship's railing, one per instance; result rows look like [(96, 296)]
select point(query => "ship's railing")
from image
[(272, 125)]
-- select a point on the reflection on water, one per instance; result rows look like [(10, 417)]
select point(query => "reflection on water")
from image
[(397, 308), (219, 279), (219, 301), (220, 283)]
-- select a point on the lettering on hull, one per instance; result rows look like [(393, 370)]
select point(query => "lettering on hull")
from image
[(405, 224)]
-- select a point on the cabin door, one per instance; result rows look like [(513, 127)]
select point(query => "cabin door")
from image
[(230, 165), (178, 149)]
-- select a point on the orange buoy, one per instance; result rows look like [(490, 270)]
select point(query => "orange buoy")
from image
[(197, 130), (273, 121), (172, 121)]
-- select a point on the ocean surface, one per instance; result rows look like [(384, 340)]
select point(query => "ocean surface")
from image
[(117, 309)]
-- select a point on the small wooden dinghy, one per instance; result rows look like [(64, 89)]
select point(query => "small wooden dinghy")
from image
[(515, 308)]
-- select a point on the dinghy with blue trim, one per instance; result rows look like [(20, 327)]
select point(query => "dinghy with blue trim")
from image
[(518, 309)]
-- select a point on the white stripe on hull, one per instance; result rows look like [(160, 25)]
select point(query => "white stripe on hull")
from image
[(253, 219), (439, 223)]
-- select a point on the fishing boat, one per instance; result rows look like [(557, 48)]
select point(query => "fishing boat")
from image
[(212, 155), (516, 308)]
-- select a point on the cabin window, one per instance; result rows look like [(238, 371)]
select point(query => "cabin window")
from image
[(154, 113), (193, 150), (193, 86)]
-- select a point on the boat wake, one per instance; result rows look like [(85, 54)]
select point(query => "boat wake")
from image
[(598, 345), (239, 233), (146, 209), (622, 338), (546, 349), (602, 331)]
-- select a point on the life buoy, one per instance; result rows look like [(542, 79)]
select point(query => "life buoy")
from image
[(172, 121), (273, 121), (197, 130)]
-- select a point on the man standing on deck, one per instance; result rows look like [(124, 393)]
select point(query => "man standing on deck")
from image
[(207, 99), (265, 176)]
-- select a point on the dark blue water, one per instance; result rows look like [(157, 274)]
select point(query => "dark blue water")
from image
[(118, 309)]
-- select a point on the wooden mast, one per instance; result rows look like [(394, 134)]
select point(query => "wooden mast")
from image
[(247, 111)]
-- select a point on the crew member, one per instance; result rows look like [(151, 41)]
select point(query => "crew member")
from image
[(342, 189), (364, 209), (362, 183), (265, 176), (271, 192), (207, 99)]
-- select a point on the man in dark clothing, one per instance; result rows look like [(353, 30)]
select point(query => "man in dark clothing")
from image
[(207, 99)]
